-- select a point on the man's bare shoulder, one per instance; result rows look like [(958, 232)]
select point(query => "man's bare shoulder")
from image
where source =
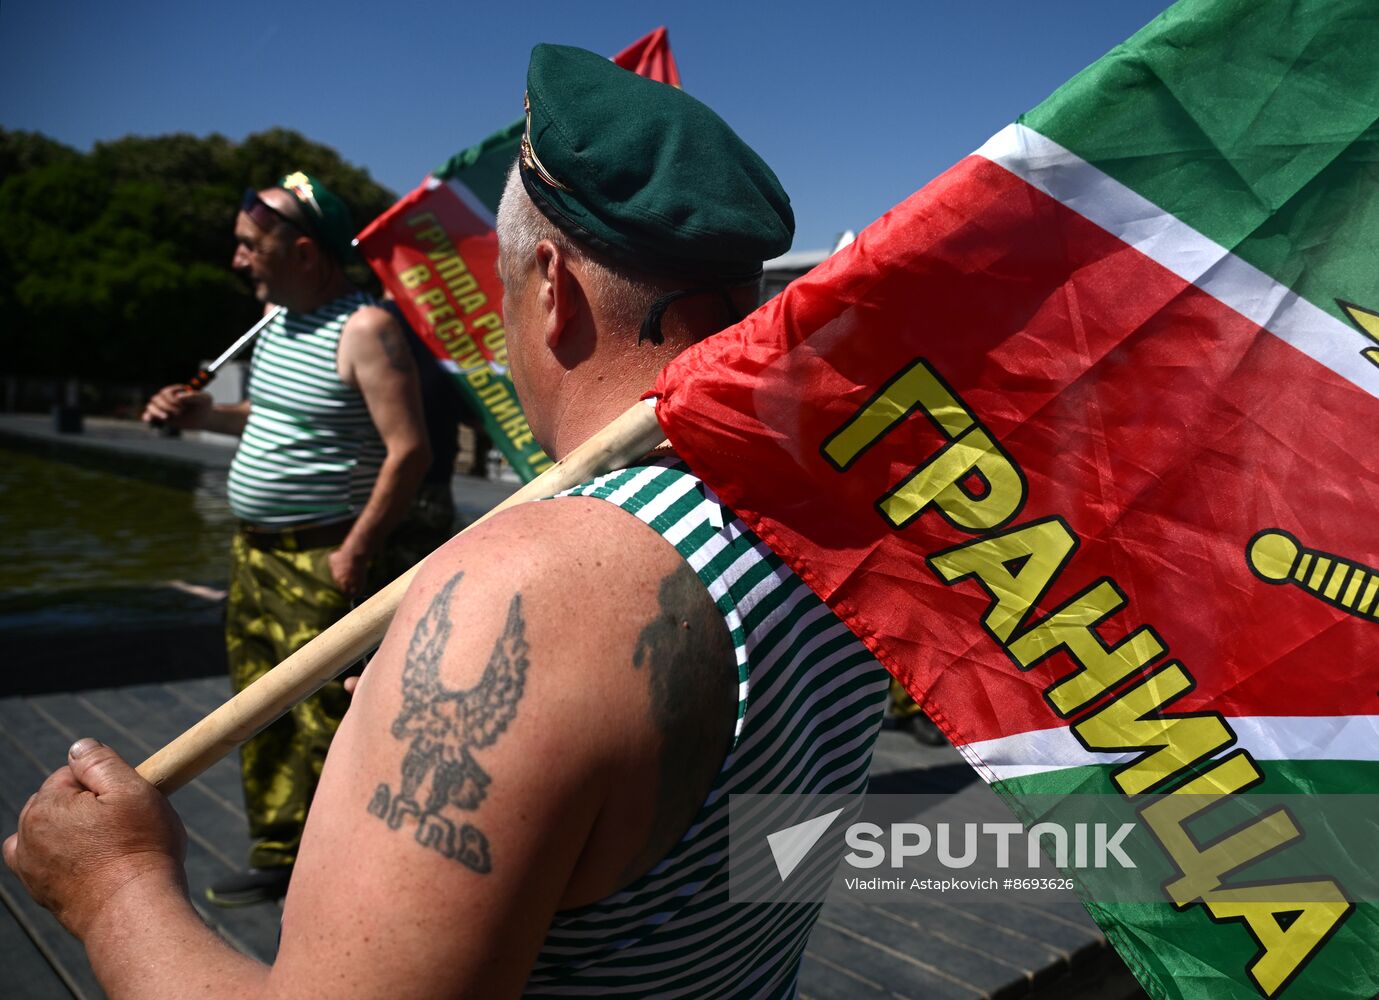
[(540, 725), (635, 650), (615, 630), (373, 347), (587, 568), (370, 319), (644, 650)]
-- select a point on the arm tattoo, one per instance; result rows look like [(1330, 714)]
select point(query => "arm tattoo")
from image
[(444, 725), (399, 358), (688, 657)]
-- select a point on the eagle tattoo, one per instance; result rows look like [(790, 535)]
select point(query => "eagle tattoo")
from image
[(445, 726)]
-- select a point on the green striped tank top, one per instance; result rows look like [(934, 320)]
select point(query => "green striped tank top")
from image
[(810, 700), (310, 453)]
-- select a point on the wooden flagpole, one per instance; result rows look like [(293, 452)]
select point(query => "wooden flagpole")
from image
[(622, 442)]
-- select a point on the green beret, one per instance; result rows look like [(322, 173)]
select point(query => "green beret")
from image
[(326, 215), (645, 173)]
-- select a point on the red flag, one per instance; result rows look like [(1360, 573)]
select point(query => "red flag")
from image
[(650, 56), (1092, 486)]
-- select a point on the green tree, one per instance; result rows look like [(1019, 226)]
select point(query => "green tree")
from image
[(114, 264), (20, 151)]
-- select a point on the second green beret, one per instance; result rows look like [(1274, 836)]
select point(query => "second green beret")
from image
[(326, 214)]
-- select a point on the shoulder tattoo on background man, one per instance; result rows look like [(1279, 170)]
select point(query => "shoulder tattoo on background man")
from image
[(395, 348), (444, 725)]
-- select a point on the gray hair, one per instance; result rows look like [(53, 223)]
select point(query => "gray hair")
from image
[(622, 295)]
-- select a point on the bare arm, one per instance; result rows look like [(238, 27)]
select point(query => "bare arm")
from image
[(374, 357), (149, 943), (505, 754), (542, 720), (180, 406)]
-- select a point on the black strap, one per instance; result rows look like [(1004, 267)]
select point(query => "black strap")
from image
[(651, 325)]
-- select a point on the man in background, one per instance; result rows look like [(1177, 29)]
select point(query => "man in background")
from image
[(332, 449)]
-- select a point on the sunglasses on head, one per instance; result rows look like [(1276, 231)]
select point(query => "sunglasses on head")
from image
[(264, 214)]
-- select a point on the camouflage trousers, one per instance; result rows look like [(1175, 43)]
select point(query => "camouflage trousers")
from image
[(428, 524), (279, 600)]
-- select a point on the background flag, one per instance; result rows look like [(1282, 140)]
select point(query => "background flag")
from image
[(436, 252), (1075, 440)]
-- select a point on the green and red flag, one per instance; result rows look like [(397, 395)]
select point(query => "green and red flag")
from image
[(436, 252), (1074, 440)]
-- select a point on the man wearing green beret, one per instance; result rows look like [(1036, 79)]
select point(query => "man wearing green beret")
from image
[(529, 795), (332, 449)]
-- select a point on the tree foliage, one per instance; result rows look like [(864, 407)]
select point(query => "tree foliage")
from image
[(115, 264)]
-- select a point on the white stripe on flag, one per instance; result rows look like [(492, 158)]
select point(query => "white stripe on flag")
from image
[(1267, 737), (1176, 246)]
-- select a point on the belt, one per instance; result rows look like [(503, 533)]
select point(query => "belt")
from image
[(296, 539)]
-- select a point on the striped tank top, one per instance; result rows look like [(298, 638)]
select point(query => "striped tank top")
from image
[(810, 700), (310, 453)]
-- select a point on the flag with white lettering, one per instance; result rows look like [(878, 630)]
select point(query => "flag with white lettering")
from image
[(436, 252), (1074, 440)]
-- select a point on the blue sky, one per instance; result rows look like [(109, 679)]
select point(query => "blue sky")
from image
[(855, 104)]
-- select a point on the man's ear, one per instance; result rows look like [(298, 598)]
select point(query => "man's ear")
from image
[(304, 251), (559, 294)]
